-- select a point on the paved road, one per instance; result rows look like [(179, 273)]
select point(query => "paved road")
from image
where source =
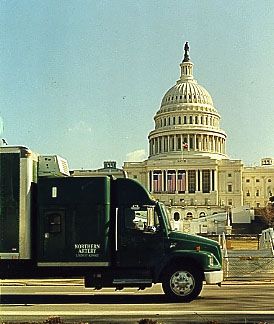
[(232, 303)]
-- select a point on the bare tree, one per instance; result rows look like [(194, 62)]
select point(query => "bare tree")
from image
[(267, 214)]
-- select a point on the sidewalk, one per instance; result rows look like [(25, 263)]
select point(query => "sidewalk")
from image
[(42, 282), (247, 281)]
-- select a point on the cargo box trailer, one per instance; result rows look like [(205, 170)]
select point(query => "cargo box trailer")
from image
[(111, 232)]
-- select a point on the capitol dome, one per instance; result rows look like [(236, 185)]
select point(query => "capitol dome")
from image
[(187, 120), (187, 92)]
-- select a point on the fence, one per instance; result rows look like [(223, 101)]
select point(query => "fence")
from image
[(247, 257)]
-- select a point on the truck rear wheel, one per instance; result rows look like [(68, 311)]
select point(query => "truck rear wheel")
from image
[(182, 283)]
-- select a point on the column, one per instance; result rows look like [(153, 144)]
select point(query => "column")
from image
[(186, 181), (213, 181), (196, 181), (201, 180), (174, 143), (200, 142)]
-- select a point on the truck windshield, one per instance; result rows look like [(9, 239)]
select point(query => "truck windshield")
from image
[(165, 216)]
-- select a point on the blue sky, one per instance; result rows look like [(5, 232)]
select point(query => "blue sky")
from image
[(83, 79)]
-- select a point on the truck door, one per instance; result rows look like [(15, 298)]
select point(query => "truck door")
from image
[(139, 237), (54, 241)]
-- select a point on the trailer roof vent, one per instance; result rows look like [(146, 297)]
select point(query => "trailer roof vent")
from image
[(52, 166)]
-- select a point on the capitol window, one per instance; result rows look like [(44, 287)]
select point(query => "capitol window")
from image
[(205, 181), (176, 216), (179, 143), (189, 215), (191, 142), (191, 181)]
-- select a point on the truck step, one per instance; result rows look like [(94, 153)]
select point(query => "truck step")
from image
[(131, 281)]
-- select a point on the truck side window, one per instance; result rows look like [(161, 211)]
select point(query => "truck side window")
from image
[(143, 219), (134, 219)]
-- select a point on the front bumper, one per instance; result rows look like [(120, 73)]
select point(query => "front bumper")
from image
[(214, 277)]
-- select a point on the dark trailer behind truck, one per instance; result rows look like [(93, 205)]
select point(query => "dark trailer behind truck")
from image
[(108, 231)]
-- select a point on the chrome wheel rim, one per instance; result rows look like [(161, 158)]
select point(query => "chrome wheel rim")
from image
[(182, 283)]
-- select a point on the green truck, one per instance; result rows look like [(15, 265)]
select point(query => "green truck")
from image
[(111, 232)]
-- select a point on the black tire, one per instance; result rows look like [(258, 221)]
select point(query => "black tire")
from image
[(182, 283)]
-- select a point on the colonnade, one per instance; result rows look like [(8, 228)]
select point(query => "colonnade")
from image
[(182, 181), (188, 142)]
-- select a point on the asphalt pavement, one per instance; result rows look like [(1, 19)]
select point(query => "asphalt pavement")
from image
[(67, 300)]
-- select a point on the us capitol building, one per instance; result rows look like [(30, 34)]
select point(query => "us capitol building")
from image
[(188, 168)]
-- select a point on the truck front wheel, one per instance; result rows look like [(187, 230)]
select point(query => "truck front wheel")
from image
[(182, 283)]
